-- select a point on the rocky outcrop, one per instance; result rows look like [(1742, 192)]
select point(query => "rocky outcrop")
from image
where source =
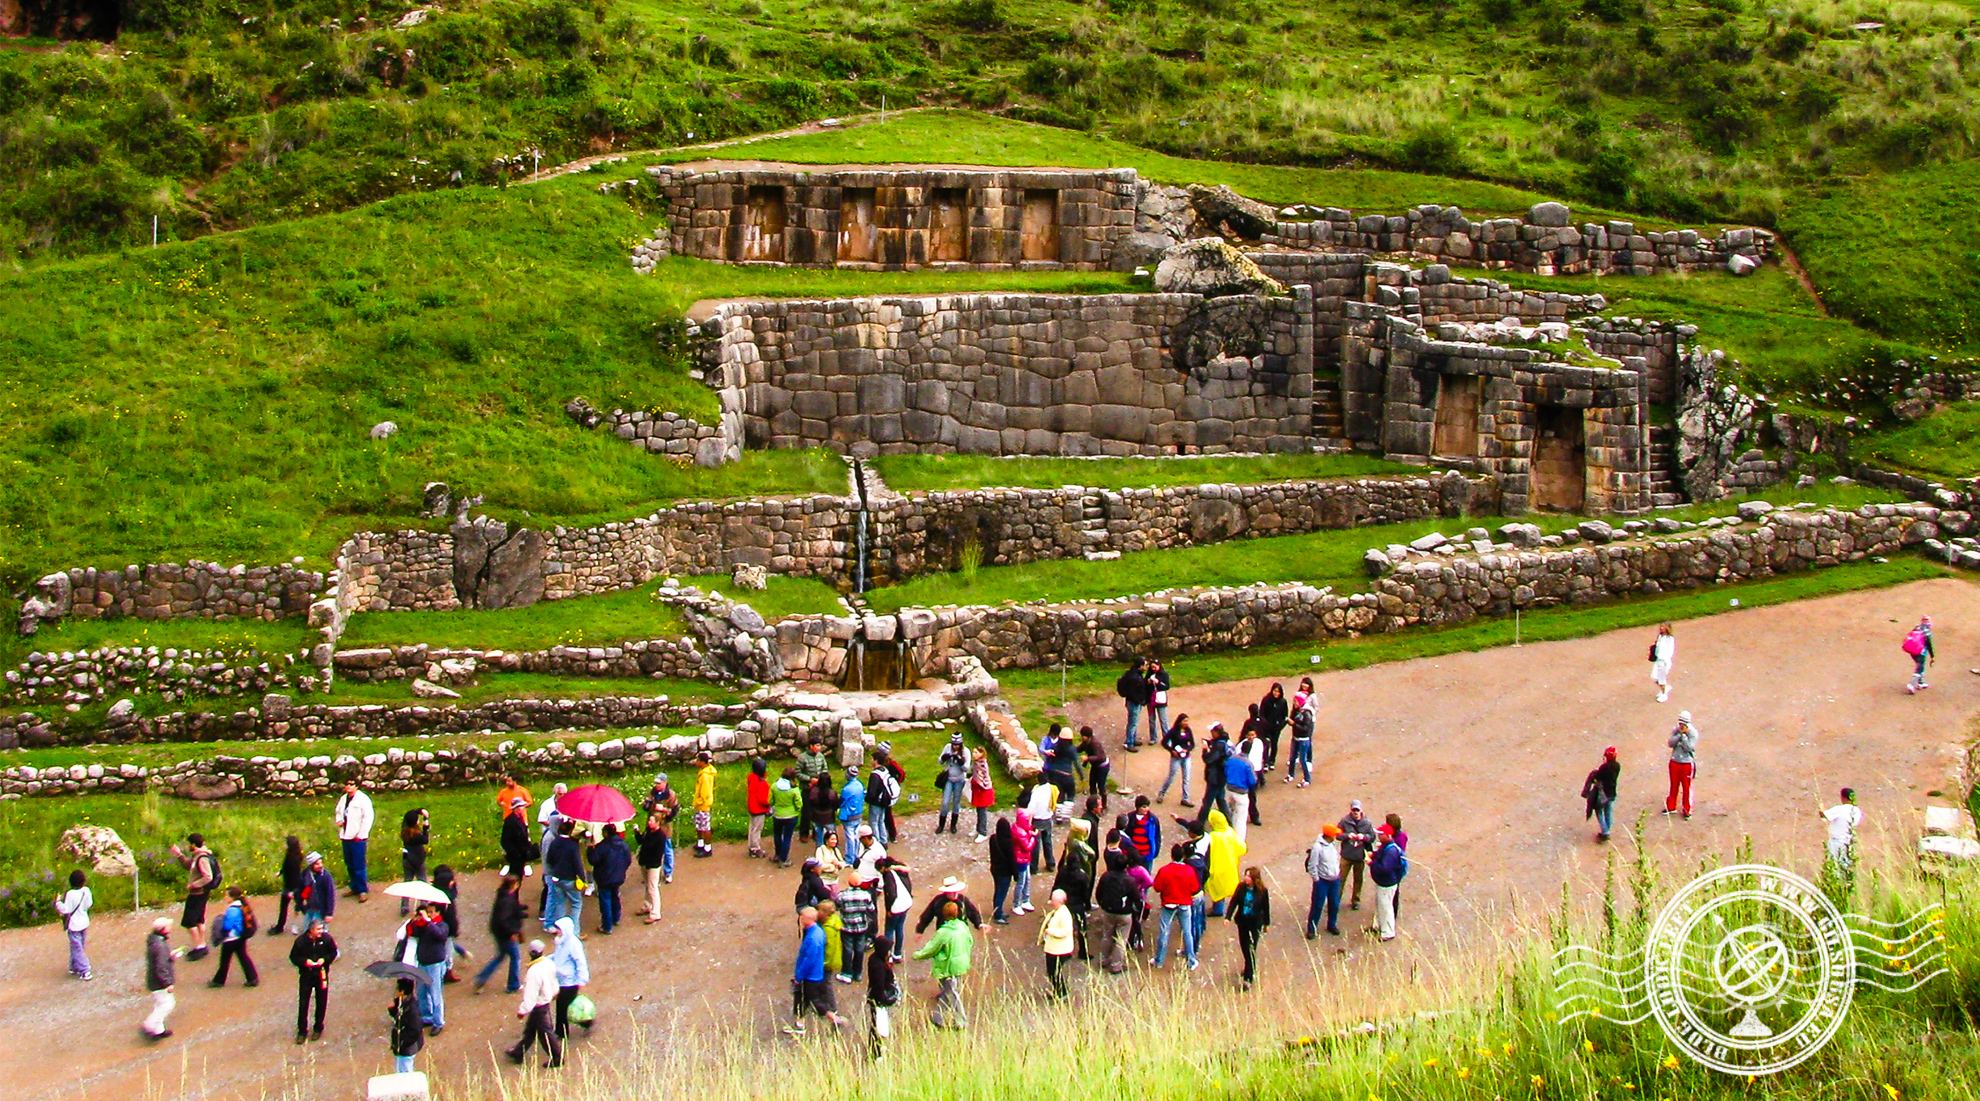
[(1232, 214), (1716, 424), (1209, 266), (497, 565)]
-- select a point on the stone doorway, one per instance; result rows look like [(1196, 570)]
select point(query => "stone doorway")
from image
[(1560, 460), (760, 233), (1457, 417), (948, 225), (858, 233), (1039, 230)]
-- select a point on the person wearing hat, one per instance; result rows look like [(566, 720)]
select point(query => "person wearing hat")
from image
[(312, 954), (871, 853), (1357, 838), (1323, 866), (883, 789), (1599, 792), (812, 888), (318, 896), (1683, 744), (852, 812), (955, 779), (539, 999), (663, 801), (548, 818), (160, 977), (573, 969), (1386, 866), (704, 805), (950, 891)]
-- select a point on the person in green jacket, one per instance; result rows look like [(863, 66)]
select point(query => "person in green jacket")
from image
[(786, 810), (949, 949)]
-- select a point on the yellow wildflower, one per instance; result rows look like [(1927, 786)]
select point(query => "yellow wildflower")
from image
[(1670, 1062), (1430, 1062)]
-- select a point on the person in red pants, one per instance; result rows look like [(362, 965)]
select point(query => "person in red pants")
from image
[(1684, 764)]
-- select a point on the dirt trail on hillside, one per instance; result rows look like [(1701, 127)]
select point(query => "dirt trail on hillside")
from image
[(1483, 754)]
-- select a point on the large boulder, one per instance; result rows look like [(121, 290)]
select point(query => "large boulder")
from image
[(497, 567), (1209, 266), (99, 847), (1231, 213)]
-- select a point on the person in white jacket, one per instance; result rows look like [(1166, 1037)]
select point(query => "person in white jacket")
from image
[(1662, 652), (354, 818), (539, 1000), (74, 908)]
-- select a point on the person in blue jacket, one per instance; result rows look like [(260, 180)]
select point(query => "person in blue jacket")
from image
[(852, 808), (810, 992)]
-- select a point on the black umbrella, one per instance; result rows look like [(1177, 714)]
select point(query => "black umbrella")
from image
[(392, 969)]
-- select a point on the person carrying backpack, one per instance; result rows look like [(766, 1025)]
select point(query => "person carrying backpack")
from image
[(882, 789), (1918, 644), (1132, 688), (1598, 791), (202, 879), (238, 926), (1386, 866)]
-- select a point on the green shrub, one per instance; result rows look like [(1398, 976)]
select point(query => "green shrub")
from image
[(1435, 148)]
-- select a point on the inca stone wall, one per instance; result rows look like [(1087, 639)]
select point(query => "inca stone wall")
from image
[(961, 219), (1452, 587), (1018, 374), (1543, 242), (169, 590)]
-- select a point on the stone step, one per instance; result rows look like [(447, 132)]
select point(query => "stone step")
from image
[(1666, 500)]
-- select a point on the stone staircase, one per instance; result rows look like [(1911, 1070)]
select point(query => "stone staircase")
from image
[(1092, 527), (1329, 424), (1666, 489)]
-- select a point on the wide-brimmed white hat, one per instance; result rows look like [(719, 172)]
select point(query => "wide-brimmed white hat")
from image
[(952, 885)]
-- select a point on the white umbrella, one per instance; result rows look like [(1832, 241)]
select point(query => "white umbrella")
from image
[(418, 892)]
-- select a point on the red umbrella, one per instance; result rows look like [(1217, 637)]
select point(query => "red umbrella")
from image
[(594, 803)]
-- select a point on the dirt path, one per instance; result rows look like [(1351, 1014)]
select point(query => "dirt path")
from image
[(818, 126), (1481, 753)]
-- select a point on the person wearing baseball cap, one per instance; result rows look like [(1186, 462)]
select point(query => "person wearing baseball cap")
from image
[(1386, 866), (1323, 866), (537, 1009), (1684, 764), (1357, 840), (518, 848)]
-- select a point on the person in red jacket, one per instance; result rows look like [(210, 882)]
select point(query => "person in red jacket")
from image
[(1177, 885), (757, 793)]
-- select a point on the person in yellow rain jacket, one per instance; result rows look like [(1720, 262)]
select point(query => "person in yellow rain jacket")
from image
[(704, 806), (1223, 855)]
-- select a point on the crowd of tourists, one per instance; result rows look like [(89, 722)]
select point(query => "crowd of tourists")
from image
[(1123, 883)]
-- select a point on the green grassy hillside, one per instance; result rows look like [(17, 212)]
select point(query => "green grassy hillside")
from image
[(221, 113)]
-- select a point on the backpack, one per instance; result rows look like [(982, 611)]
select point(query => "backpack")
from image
[(884, 789), (250, 925), (1914, 643), (218, 883)]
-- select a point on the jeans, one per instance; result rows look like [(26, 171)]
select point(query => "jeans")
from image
[(784, 831), (1605, 816), (1176, 765), (667, 857), (1158, 722), (1214, 798), (1134, 716), (1301, 758), (358, 881), (1021, 888), (1042, 852), (983, 821), (1248, 944), (849, 840), (504, 950), (610, 911), (952, 801), (1003, 891), (562, 899), (853, 955), (1918, 675), (78, 959), (1327, 895), (1199, 917), (877, 818), (1176, 915), (402, 1064), (897, 932), (432, 1000), (411, 869)]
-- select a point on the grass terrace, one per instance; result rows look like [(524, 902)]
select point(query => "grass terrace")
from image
[(911, 473), (281, 637), (1943, 445)]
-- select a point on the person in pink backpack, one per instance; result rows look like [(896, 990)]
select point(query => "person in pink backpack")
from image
[(1918, 644)]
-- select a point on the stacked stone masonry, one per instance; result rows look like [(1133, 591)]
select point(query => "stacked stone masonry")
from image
[(169, 590), (1543, 242), (943, 218), (1017, 374)]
